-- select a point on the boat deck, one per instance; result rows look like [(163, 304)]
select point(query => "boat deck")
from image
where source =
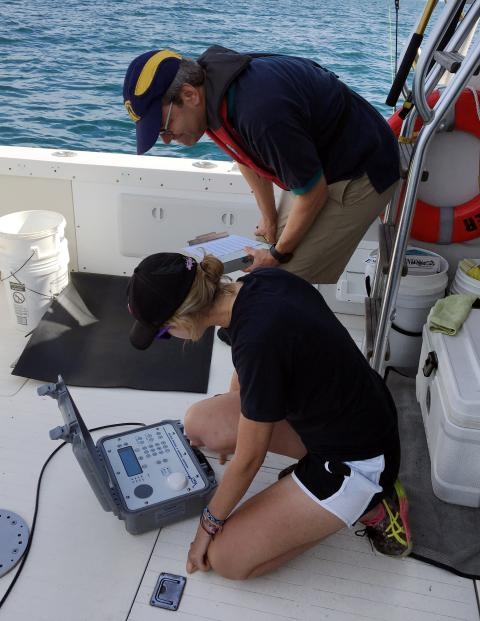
[(83, 565)]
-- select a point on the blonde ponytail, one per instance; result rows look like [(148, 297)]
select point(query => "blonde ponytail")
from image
[(209, 283)]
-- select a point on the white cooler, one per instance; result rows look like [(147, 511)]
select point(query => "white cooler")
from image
[(448, 390)]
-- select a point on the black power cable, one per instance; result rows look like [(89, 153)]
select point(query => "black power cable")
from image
[(37, 498)]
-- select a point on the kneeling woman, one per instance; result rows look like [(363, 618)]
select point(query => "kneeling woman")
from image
[(304, 390)]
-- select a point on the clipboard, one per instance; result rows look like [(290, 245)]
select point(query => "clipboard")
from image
[(229, 249)]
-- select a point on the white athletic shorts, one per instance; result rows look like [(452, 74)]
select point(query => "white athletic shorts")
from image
[(346, 489)]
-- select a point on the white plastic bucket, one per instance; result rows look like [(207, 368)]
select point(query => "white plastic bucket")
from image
[(463, 283), (416, 296), (33, 262)]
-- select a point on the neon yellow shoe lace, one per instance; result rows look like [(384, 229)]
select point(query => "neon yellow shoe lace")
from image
[(394, 529)]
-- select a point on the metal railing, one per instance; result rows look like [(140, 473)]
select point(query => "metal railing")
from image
[(427, 74)]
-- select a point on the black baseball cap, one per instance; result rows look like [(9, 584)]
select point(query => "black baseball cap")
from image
[(158, 287)]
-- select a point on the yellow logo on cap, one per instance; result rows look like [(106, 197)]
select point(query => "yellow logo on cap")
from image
[(148, 72), (131, 113)]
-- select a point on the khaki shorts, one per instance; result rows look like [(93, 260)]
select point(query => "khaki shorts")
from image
[(325, 250)]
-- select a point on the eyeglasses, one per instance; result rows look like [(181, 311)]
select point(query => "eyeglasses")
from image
[(163, 333), (164, 131)]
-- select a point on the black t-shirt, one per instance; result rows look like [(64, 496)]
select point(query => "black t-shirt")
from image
[(296, 361), (287, 109)]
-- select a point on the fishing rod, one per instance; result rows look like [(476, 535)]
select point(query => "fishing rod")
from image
[(408, 104), (410, 54)]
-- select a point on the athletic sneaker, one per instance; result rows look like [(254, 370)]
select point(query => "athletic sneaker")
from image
[(391, 535)]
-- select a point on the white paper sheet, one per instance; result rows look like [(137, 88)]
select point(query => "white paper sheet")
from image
[(230, 250)]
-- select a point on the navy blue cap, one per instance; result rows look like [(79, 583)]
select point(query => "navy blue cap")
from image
[(147, 80)]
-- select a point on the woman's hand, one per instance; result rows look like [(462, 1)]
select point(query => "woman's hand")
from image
[(197, 555), (253, 440)]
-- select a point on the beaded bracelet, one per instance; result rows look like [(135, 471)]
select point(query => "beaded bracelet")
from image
[(210, 523), (209, 528), (211, 518)]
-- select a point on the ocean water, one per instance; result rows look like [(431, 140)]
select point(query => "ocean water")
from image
[(63, 61)]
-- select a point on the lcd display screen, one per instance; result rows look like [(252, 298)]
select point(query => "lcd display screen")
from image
[(129, 461)]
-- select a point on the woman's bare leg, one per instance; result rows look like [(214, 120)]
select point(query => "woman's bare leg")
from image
[(268, 530), (276, 524), (213, 423)]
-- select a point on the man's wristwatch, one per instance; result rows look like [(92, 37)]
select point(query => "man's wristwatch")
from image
[(281, 257)]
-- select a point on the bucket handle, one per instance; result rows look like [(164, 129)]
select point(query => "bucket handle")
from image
[(13, 274), (405, 332), (36, 251), (40, 256)]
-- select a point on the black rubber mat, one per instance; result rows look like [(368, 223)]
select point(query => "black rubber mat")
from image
[(84, 337)]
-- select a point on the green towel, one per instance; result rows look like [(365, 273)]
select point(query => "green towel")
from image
[(448, 314)]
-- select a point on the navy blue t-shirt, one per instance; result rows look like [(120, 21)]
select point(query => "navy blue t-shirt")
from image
[(296, 361), (286, 110)]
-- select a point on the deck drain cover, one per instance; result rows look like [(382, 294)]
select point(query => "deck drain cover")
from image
[(13, 540)]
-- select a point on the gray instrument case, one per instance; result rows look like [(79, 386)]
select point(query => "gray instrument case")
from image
[(149, 476)]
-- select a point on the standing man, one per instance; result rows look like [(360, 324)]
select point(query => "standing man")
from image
[(285, 120)]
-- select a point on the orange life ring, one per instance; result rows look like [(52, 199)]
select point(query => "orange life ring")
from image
[(464, 218)]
